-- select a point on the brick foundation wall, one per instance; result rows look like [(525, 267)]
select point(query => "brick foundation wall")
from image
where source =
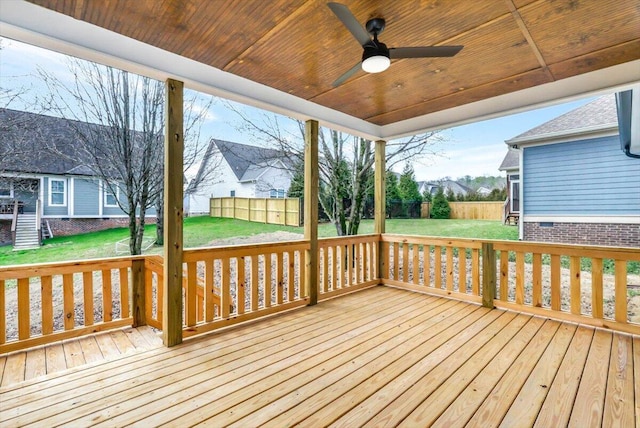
[(617, 235), (5, 232), (75, 226)]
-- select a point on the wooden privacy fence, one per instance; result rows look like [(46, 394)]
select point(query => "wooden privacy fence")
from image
[(477, 210), (284, 211)]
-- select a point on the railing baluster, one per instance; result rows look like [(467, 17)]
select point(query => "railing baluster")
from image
[(405, 262), (536, 299), (437, 266), (209, 291), (46, 284), (241, 285), (254, 283), (334, 268), (597, 303), (621, 291), (396, 260), (267, 280), (462, 270), (291, 276), (426, 261), (349, 262), (416, 264), (519, 277), (366, 260), (324, 281), (504, 275), (555, 282), (124, 293), (280, 276), (449, 268), (87, 294), (574, 283), (475, 272), (302, 289), (191, 294), (24, 309), (107, 300), (69, 306), (225, 294)]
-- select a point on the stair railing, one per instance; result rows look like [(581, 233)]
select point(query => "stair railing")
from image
[(39, 221), (14, 221)]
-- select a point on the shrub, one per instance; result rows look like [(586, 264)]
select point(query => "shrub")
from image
[(440, 207)]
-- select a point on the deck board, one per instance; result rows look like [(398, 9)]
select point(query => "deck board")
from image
[(377, 357)]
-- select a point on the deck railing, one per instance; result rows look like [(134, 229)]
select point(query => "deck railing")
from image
[(240, 283), (346, 264), (71, 299), (43, 303)]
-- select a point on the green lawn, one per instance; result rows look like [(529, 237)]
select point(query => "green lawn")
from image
[(199, 231)]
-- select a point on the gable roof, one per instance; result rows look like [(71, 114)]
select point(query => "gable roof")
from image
[(597, 115), (247, 162), (511, 161), (40, 144)]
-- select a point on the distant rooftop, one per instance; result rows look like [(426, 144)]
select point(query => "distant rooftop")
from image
[(600, 113)]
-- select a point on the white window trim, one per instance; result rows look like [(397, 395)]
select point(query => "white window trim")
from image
[(11, 194), (105, 192), (64, 192)]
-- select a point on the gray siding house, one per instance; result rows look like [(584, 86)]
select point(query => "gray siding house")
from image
[(40, 170), (577, 185)]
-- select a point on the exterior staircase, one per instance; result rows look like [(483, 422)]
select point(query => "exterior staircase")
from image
[(27, 235)]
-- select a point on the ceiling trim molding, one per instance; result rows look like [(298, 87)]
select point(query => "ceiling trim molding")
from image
[(42, 27)]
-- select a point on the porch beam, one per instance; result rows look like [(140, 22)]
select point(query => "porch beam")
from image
[(311, 209), (380, 201), (173, 214)]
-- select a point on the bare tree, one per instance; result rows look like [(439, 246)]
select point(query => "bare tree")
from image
[(118, 124), (345, 162)]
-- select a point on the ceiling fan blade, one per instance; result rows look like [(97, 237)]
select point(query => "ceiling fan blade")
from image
[(348, 20), (424, 52), (353, 70)]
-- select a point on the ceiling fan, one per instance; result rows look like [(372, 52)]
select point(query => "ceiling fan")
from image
[(376, 57)]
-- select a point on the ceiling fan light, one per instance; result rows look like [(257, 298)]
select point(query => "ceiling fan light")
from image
[(376, 64)]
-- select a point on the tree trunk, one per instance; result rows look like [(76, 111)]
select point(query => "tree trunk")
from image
[(160, 222)]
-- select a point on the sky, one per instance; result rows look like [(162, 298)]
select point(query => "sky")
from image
[(475, 149)]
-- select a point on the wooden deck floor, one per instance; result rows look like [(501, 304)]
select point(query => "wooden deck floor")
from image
[(379, 357), (42, 360)]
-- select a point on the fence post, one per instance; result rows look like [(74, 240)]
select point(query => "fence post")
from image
[(138, 295), (488, 275)]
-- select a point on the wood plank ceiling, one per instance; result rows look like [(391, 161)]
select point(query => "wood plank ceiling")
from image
[(299, 47)]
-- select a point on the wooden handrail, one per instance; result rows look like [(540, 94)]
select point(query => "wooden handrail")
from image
[(14, 221)]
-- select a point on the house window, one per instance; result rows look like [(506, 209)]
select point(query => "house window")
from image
[(6, 189), (276, 193), (232, 193), (515, 195), (57, 193), (110, 198)]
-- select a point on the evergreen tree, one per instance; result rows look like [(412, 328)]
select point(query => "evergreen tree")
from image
[(451, 197), (296, 189), (440, 207), (392, 195), (407, 187)]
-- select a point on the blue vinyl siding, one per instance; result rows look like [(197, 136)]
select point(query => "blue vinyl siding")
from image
[(86, 197), (54, 210), (588, 177)]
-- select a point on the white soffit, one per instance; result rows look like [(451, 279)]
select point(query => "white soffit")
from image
[(42, 27)]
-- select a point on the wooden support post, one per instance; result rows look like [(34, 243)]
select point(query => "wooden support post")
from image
[(173, 214), (488, 275), (138, 295), (380, 203), (311, 208)]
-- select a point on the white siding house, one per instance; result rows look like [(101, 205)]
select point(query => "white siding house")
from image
[(241, 170)]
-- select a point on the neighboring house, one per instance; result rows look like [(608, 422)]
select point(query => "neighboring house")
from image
[(573, 182), (483, 191), (41, 170), (511, 165), (238, 170), (432, 187)]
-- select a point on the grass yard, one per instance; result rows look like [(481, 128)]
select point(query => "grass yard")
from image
[(199, 231)]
